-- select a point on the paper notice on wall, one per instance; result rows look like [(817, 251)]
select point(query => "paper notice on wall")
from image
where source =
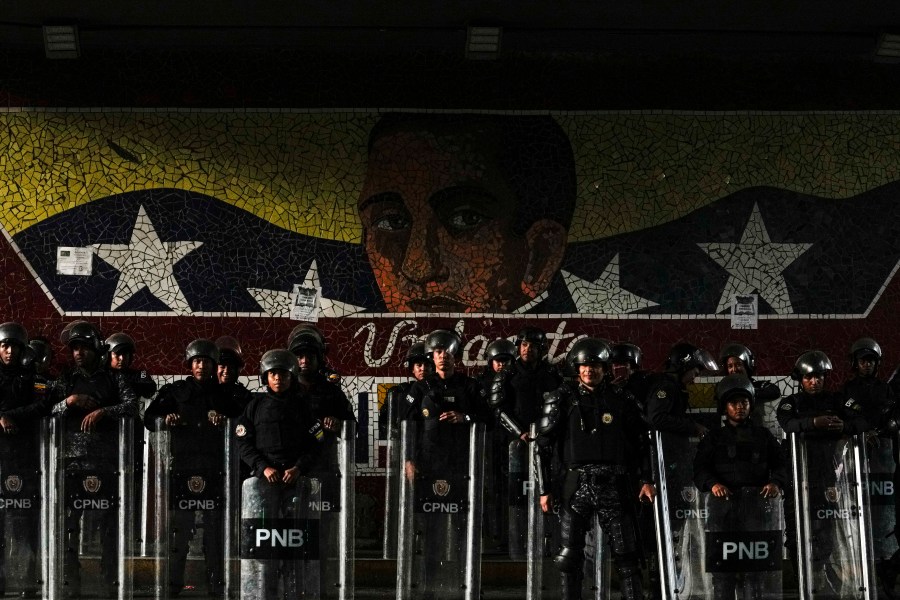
[(745, 312), (305, 303), (74, 261)]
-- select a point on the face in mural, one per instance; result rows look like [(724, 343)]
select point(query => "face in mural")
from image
[(440, 225)]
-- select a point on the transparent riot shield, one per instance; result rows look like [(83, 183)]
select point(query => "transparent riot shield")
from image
[(393, 474), (439, 549), (296, 539), (193, 473), (88, 523), (831, 505), (680, 526), (743, 547), (21, 509), (517, 485), (880, 468)]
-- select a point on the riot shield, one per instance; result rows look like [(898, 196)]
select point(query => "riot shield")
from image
[(393, 474), (680, 534), (517, 484), (89, 517), (833, 533), (21, 503), (296, 540), (439, 549), (192, 483), (743, 545), (880, 481)]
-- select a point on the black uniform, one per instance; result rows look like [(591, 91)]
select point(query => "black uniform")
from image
[(93, 454), (796, 414), (196, 449), (738, 457), (601, 439), (274, 431), (22, 401), (875, 397), (441, 453), (394, 409)]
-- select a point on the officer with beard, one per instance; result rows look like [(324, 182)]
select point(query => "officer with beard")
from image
[(92, 400), (195, 411), (22, 403), (824, 417), (596, 430)]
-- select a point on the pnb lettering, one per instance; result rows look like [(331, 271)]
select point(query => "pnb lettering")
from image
[(321, 506), (881, 488), (283, 538), (745, 550)]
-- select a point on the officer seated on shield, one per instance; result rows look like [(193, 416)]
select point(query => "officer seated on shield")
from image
[(195, 411), (277, 438), (824, 417), (737, 455), (597, 432)]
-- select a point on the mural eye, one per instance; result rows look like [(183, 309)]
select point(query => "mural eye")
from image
[(391, 222), (466, 219)]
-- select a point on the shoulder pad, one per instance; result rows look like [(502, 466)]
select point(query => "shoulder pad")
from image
[(495, 389), (552, 410)]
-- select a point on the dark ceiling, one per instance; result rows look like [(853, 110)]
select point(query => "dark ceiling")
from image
[(828, 28)]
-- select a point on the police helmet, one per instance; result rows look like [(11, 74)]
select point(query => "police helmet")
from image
[(626, 352), (306, 337), (120, 342), (730, 386), (740, 352), (864, 347), (13, 333), (589, 351), (82, 332), (684, 357), (230, 350), (532, 335), (814, 361), (39, 353), (277, 359), (444, 339), (415, 354), (499, 349), (201, 349)]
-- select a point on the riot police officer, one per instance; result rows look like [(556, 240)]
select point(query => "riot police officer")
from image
[(91, 400), (119, 356), (231, 361), (864, 386), (396, 407), (277, 439), (448, 401), (599, 436), (39, 357), (195, 411), (625, 359), (737, 358), (732, 457), (824, 417), (21, 397)]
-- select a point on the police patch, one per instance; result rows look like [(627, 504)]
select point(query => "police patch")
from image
[(240, 431), (607, 418), (410, 399), (441, 487), (13, 484), (832, 494), (661, 394), (425, 412), (785, 407), (196, 484), (91, 484)]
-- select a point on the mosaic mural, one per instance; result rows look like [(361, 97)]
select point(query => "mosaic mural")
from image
[(173, 225)]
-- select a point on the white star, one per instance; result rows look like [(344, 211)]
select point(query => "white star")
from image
[(276, 303), (756, 265), (147, 262), (604, 295)]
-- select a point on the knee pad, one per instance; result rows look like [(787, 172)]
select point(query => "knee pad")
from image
[(569, 560)]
